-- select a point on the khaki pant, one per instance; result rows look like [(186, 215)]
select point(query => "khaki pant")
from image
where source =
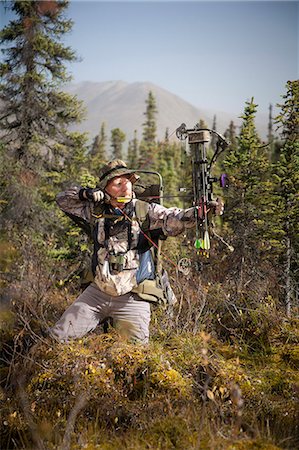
[(130, 315)]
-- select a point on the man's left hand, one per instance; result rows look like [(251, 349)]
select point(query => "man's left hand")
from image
[(217, 206)]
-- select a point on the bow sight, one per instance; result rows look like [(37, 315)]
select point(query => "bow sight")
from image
[(198, 140)]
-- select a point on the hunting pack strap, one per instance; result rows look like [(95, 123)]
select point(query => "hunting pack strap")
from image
[(158, 290)]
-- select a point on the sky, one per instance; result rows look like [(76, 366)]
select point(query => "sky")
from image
[(216, 55)]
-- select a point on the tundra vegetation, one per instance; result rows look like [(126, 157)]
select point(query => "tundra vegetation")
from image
[(221, 368)]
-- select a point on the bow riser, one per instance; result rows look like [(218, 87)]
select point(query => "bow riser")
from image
[(198, 140)]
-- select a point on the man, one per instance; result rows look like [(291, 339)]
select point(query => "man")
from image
[(121, 260)]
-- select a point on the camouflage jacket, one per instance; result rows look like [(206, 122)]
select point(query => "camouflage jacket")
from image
[(119, 242)]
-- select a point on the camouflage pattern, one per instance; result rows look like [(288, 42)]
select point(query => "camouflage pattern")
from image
[(112, 169), (172, 221)]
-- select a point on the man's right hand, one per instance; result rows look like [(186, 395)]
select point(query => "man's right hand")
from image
[(96, 195)]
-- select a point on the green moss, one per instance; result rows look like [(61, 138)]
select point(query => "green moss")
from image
[(290, 355), (171, 380), (172, 432), (156, 396)]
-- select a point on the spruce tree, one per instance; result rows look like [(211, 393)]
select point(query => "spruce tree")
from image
[(289, 116), (213, 137), (132, 158), (150, 126), (118, 137), (270, 136), (231, 135), (166, 137), (286, 176), (247, 200), (147, 145), (97, 156), (169, 165), (35, 113), (38, 153)]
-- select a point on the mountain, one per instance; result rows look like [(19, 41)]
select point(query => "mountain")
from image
[(122, 105)]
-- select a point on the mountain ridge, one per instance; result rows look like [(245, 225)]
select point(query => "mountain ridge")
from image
[(121, 104)]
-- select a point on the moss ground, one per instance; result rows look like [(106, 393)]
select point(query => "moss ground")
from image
[(188, 392)]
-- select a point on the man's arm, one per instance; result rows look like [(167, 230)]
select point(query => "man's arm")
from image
[(79, 202), (174, 221)]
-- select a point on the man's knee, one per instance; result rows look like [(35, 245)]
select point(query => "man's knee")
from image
[(135, 327), (76, 321)]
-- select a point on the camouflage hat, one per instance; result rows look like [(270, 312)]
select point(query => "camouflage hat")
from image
[(115, 168)]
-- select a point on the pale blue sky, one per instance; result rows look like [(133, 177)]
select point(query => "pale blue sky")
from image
[(213, 54)]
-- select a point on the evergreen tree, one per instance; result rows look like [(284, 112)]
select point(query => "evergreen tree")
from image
[(132, 158), (168, 164), (274, 144), (150, 126), (118, 137), (166, 137), (98, 150), (247, 199), (37, 154), (286, 176), (213, 137), (289, 116), (214, 126), (270, 137), (231, 135), (35, 113), (147, 145)]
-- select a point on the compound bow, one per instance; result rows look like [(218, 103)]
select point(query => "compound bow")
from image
[(202, 181)]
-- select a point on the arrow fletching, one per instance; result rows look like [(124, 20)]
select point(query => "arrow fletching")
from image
[(206, 242), (198, 244)]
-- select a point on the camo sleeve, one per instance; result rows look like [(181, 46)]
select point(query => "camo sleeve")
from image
[(173, 221), (70, 203)]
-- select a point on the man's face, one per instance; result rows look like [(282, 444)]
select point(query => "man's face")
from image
[(119, 187)]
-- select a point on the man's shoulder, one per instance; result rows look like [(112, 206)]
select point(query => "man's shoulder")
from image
[(141, 209)]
